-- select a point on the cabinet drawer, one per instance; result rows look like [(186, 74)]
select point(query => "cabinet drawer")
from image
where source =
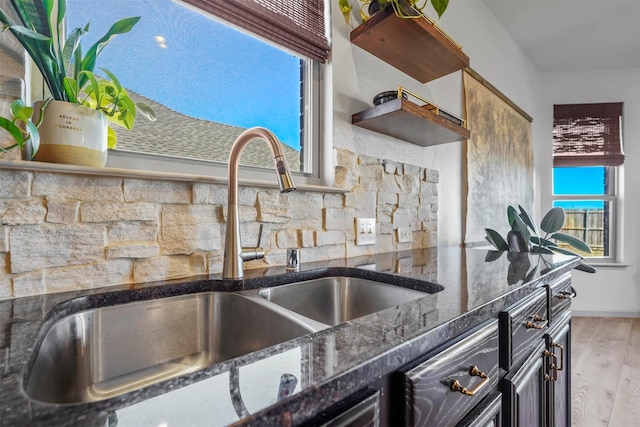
[(560, 295), (440, 391), (362, 414), (487, 414), (520, 325)]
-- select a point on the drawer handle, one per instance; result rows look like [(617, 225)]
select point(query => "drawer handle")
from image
[(474, 372), (567, 294), (553, 366), (533, 325), (556, 345)]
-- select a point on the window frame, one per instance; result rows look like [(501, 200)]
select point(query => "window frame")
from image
[(316, 110)]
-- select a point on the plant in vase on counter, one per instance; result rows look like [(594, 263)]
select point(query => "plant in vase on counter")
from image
[(402, 8), (74, 124), (524, 236)]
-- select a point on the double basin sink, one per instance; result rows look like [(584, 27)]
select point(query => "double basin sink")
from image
[(106, 352)]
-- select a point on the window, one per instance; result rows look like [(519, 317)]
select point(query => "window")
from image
[(587, 153), (207, 81)]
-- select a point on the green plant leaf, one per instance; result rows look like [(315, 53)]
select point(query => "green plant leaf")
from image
[(70, 48), (13, 130), (94, 90), (541, 250), (566, 252), (120, 27), (511, 215), (71, 89), (542, 242), (113, 79), (112, 139), (19, 111), (39, 47), (493, 256), (345, 8), (518, 225), (573, 241), (496, 240), (553, 220), (34, 137), (16, 107), (528, 219), (440, 6)]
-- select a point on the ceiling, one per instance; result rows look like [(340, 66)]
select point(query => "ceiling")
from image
[(574, 35)]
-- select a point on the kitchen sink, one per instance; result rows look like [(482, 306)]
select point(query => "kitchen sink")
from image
[(335, 300), (105, 352)]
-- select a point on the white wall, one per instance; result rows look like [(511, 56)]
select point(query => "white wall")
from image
[(358, 76), (613, 290)]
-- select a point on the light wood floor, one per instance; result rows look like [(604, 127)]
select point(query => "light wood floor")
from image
[(605, 381)]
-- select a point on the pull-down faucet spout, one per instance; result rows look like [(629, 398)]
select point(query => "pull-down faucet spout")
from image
[(234, 253)]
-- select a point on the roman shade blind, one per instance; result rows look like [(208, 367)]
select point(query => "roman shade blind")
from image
[(298, 25), (587, 135)]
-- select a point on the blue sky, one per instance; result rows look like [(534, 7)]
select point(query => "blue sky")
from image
[(582, 180), (191, 74)]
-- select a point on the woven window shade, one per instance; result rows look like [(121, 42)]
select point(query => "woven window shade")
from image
[(587, 135), (298, 25)]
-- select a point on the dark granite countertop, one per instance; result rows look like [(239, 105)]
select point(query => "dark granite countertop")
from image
[(470, 286)]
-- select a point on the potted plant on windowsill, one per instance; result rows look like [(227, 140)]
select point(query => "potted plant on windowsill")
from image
[(74, 124)]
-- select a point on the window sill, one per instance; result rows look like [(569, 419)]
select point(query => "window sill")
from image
[(608, 265), (150, 175)]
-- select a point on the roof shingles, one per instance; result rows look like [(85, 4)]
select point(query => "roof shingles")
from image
[(176, 134)]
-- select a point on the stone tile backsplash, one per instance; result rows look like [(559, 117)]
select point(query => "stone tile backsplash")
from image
[(62, 232)]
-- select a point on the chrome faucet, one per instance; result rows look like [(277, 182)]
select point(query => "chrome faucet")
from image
[(234, 253)]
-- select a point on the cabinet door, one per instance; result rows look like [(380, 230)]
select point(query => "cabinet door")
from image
[(559, 375), (524, 391)]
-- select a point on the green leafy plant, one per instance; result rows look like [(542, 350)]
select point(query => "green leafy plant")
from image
[(67, 72), (21, 128), (402, 8), (524, 235)]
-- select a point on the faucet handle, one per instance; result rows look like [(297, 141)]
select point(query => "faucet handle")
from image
[(248, 254)]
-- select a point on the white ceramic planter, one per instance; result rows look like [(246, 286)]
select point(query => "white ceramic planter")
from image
[(72, 134)]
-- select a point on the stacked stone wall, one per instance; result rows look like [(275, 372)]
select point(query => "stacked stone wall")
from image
[(63, 231)]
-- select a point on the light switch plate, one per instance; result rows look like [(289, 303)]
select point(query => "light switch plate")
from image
[(365, 231), (405, 234)]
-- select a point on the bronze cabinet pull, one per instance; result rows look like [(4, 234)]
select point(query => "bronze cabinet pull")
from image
[(474, 372), (553, 366), (534, 324), (556, 345), (567, 294)]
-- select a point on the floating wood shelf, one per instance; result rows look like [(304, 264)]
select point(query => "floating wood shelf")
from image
[(402, 119), (416, 47)]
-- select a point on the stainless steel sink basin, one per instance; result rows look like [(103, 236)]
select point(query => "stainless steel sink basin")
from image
[(105, 352), (334, 300)]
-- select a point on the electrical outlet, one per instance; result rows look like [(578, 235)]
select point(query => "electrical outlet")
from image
[(405, 234), (365, 231)]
